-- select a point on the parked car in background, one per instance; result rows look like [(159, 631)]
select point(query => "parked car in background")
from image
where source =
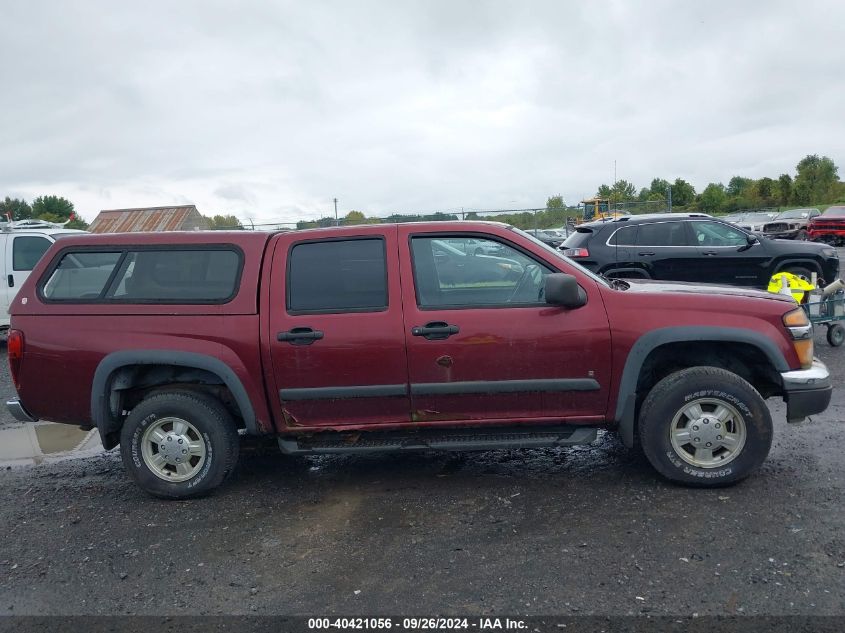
[(693, 247), (476, 247), (457, 261), (733, 218), (790, 225), (829, 227), (547, 237), (22, 244), (755, 221)]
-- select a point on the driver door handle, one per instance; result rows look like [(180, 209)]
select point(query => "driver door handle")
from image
[(710, 253), (646, 253), (435, 330), (300, 336)]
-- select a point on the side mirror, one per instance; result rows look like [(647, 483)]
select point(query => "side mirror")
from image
[(563, 290), (750, 241)]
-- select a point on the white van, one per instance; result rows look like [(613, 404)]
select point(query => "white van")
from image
[(22, 244)]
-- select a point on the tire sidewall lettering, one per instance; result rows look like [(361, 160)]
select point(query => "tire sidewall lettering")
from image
[(209, 455), (677, 391)]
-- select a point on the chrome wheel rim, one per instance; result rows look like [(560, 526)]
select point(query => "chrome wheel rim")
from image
[(708, 433), (173, 449)]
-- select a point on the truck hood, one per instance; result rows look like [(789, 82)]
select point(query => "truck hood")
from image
[(652, 286)]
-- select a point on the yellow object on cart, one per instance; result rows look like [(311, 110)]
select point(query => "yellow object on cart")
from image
[(797, 285)]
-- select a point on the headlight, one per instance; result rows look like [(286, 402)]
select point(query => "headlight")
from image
[(830, 252), (799, 327)]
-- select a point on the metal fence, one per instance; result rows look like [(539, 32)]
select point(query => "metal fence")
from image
[(560, 218)]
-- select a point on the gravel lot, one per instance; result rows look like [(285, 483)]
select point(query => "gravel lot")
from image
[(574, 531)]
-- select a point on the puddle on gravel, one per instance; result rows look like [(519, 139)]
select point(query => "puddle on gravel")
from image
[(32, 444)]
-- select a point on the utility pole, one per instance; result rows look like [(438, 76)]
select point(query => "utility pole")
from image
[(670, 198), (614, 172), (336, 221)]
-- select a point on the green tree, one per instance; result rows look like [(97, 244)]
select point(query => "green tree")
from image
[(815, 181), (763, 192), (623, 191), (644, 194), (224, 222), (355, 217), (52, 208), (15, 209), (784, 189), (660, 187), (737, 185), (555, 202), (683, 193), (713, 198)]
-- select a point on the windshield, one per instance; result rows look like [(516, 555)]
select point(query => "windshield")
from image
[(758, 217), (795, 214), (560, 255)]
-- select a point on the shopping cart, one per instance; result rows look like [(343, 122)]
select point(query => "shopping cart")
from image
[(828, 311)]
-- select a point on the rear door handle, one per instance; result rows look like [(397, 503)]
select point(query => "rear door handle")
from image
[(709, 253), (435, 330), (11, 280), (645, 253), (300, 336)]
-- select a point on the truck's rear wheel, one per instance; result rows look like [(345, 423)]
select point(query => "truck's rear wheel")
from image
[(179, 444), (705, 426)]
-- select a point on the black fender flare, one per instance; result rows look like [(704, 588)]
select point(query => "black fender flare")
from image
[(626, 400), (101, 384)]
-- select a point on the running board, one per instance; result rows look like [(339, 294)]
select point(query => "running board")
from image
[(437, 440)]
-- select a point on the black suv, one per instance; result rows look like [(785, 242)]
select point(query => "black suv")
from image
[(693, 247)]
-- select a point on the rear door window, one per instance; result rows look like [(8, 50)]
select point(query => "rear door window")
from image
[(336, 276), (662, 234)]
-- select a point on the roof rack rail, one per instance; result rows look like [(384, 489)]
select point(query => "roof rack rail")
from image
[(30, 223)]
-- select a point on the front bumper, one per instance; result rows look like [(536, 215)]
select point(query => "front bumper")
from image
[(824, 235), (806, 391), (18, 412)]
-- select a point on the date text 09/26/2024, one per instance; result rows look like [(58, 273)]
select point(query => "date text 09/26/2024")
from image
[(417, 624)]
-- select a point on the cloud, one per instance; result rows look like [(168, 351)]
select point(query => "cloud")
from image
[(271, 110)]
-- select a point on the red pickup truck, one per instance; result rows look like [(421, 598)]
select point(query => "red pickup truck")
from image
[(395, 337)]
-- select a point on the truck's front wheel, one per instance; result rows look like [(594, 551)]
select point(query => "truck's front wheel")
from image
[(179, 444), (705, 426)]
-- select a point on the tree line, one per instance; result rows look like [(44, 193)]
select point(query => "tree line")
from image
[(816, 182), (48, 208)]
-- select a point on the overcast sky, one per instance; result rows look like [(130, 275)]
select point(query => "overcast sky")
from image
[(268, 110)]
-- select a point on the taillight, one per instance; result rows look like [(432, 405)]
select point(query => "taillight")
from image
[(14, 350), (576, 252)]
